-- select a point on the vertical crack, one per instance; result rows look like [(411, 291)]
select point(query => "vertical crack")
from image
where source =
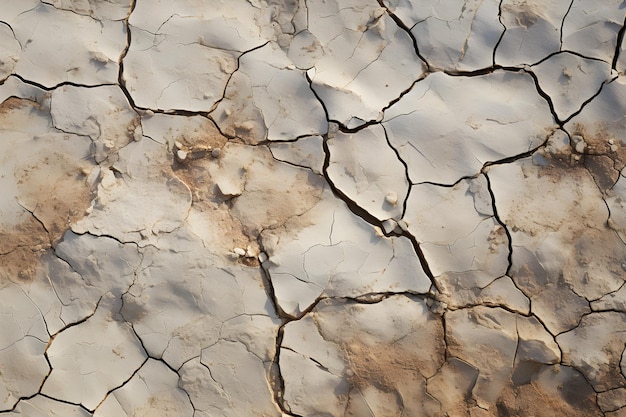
[(277, 382), (562, 24), (495, 48), (501, 223), (406, 170), (120, 76), (405, 28), (618, 46)]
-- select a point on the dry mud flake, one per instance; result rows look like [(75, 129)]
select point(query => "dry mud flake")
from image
[(75, 357), (532, 30), (330, 252), (365, 59), (459, 133), (375, 180), (60, 45)]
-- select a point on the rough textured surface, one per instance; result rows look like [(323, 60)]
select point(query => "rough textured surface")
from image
[(341, 208)]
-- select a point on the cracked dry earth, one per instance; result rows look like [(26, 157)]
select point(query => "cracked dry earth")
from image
[(312, 208)]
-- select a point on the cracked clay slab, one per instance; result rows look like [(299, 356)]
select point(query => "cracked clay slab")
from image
[(304, 208)]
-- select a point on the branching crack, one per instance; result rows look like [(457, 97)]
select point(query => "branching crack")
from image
[(405, 28)]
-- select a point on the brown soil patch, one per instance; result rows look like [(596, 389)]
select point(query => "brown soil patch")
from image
[(526, 14), (604, 154), (48, 170), (575, 399), (21, 250)]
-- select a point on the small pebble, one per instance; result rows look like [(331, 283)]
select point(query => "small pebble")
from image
[(181, 154), (215, 153), (239, 251), (389, 225), (611, 223), (100, 57), (392, 198), (403, 226)]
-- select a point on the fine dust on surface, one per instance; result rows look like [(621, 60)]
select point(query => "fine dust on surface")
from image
[(240, 190), (393, 370), (558, 221), (386, 369), (50, 189), (594, 249), (203, 150), (527, 14), (22, 263), (556, 391), (558, 168), (604, 154), (55, 194)]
